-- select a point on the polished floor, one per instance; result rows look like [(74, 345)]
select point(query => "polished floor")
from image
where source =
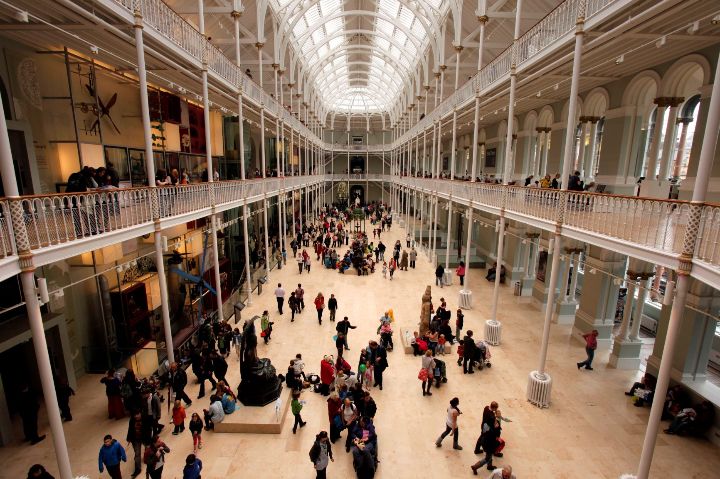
[(590, 431)]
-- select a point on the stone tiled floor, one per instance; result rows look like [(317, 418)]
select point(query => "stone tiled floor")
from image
[(590, 431)]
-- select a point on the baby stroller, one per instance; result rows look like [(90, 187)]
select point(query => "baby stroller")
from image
[(439, 374), (482, 354)]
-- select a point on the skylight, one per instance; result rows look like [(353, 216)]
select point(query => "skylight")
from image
[(350, 74)]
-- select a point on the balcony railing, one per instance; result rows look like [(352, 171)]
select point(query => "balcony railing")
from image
[(652, 225), (558, 23), (31, 224)]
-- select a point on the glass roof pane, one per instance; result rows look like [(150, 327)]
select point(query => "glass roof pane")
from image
[(375, 78)]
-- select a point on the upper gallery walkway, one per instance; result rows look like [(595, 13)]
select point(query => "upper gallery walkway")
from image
[(650, 229), (58, 226)]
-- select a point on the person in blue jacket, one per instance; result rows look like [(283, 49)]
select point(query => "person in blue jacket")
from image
[(192, 468), (111, 453)]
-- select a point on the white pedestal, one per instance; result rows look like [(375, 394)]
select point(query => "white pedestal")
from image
[(493, 332), (465, 299), (447, 278), (538, 389)]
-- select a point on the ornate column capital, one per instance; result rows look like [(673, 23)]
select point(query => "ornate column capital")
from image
[(259, 45), (236, 14), (443, 67), (482, 18), (458, 48)]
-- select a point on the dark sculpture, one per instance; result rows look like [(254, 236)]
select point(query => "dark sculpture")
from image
[(259, 382)]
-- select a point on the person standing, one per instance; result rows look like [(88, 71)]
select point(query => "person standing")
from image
[(193, 467), (110, 455), (296, 406), (265, 326), (413, 257), (332, 306), (321, 454), (155, 457), (439, 273), (300, 295), (319, 306), (280, 296), (152, 410), (63, 391), (460, 272), (468, 353), (427, 371), (196, 426), (139, 433), (29, 407), (294, 306), (451, 424), (590, 347), (178, 417), (459, 323), (116, 410), (343, 327), (300, 262), (178, 381), (377, 356)]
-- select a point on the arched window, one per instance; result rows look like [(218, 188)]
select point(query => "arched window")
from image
[(685, 133)]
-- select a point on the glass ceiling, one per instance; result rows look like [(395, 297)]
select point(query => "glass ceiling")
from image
[(366, 70)]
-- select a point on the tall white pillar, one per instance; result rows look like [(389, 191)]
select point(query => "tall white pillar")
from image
[(707, 155), (624, 332), (449, 235), (580, 160), (643, 292), (539, 382)]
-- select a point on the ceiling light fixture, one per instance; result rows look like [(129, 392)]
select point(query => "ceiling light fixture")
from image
[(620, 59), (661, 42), (94, 49), (538, 94), (557, 85), (715, 20), (694, 27), (22, 16)]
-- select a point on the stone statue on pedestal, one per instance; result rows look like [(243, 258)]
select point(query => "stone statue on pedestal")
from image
[(259, 384), (425, 312)]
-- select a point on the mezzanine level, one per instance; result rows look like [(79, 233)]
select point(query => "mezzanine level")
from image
[(58, 226)]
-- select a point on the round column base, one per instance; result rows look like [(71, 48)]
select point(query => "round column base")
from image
[(493, 332), (538, 389), (447, 278), (465, 299)]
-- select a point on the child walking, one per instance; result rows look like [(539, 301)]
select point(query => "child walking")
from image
[(384, 270), (460, 351), (178, 417), (196, 427), (296, 406)]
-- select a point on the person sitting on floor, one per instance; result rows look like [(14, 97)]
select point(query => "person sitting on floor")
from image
[(643, 391)]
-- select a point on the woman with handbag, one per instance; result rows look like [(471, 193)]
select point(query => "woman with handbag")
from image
[(426, 372)]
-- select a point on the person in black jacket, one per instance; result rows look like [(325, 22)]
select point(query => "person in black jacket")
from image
[(343, 327), (320, 452), (332, 306), (63, 392), (139, 433), (369, 407), (206, 373), (468, 353), (178, 381), (489, 439), (29, 406), (439, 273), (377, 355), (220, 366), (37, 471)]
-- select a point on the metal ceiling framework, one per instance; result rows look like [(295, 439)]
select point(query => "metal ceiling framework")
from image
[(403, 31)]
